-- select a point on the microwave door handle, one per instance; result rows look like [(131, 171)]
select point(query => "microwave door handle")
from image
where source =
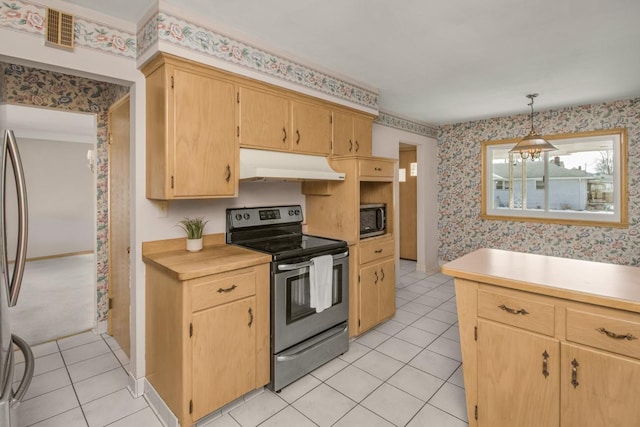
[(289, 267), (13, 155), (380, 219)]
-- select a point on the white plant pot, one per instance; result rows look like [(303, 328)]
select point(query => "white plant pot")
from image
[(194, 245)]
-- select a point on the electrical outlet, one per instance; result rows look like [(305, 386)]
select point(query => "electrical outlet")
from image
[(163, 208)]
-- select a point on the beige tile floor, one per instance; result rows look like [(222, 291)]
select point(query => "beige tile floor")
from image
[(405, 372)]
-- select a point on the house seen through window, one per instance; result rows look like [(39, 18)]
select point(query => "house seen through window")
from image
[(584, 181)]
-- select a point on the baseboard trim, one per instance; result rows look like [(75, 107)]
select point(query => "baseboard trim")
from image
[(157, 404), (101, 327), (136, 385)]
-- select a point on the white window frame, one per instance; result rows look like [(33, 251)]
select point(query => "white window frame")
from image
[(619, 217)]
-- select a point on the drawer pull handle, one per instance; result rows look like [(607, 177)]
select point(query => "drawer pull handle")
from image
[(627, 337), (545, 359), (220, 290), (377, 169), (375, 274), (250, 317), (378, 251), (574, 373), (512, 311)]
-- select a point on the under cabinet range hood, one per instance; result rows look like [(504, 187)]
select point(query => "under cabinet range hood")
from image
[(263, 165)]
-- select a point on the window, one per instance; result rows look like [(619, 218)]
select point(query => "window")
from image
[(583, 182)]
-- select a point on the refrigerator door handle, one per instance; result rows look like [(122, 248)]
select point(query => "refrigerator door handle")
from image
[(29, 364), (12, 154)]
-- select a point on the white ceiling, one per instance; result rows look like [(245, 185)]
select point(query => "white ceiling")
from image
[(444, 61)]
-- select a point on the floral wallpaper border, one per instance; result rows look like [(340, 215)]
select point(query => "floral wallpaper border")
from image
[(460, 230), (30, 17), (41, 88), (21, 15), (177, 31), (389, 120)]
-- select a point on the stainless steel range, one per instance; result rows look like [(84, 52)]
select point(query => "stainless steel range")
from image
[(303, 337)]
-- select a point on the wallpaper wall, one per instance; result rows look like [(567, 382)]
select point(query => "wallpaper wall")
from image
[(42, 88), (459, 175)]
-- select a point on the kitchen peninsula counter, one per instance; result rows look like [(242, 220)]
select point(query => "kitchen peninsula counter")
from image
[(547, 341), (612, 285)]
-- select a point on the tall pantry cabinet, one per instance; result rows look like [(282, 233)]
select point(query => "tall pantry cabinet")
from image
[(333, 210)]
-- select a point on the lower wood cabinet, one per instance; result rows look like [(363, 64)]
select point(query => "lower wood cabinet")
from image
[(598, 388), (535, 360), (519, 377), (376, 285), (207, 338)]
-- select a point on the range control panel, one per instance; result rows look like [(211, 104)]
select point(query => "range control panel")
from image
[(271, 215)]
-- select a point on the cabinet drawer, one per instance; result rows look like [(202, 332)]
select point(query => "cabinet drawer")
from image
[(521, 310), (376, 168), (222, 290), (605, 329), (376, 249)]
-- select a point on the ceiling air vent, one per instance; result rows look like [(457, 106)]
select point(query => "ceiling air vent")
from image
[(59, 29)]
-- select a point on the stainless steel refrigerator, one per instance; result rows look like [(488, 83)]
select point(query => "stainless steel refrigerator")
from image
[(10, 281)]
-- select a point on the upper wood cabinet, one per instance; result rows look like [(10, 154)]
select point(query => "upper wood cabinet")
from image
[(192, 149), (311, 128), (198, 117), (351, 134), (273, 121), (264, 120)]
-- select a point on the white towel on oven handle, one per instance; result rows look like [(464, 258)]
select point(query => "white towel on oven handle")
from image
[(321, 282)]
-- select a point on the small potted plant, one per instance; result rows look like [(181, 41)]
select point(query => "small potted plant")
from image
[(194, 228)]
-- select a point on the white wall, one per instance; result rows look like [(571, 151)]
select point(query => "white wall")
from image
[(386, 143), (60, 191)]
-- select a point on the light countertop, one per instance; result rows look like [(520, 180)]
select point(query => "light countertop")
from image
[(212, 259), (599, 283)]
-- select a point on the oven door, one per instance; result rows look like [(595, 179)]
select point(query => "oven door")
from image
[(294, 320)]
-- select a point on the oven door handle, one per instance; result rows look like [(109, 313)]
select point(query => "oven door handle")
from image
[(314, 347), (289, 267)]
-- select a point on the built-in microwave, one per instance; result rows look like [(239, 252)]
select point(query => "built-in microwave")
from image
[(373, 220)]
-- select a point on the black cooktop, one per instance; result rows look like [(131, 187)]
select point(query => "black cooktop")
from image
[(276, 230), (290, 246)]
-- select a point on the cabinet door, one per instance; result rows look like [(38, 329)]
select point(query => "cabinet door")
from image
[(387, 289), (311, 128), (368, 297), (606, 388), (362, 135), (264, 120), (343, 143), (224, 354), (205, 145), (512, 387)]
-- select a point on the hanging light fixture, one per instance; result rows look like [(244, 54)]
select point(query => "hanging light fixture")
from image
[(532, 145)]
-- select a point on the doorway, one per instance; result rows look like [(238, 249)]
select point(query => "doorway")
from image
[(58, 289), (84, 96), (408, 172)]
